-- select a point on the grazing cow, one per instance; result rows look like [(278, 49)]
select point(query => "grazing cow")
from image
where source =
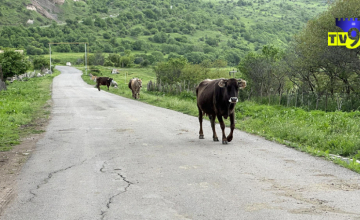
[(114, 83), (103, 81), (217, 98), (93, 78), (135, 85)]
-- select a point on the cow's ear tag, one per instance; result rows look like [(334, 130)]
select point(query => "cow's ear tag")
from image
[(222, 83)]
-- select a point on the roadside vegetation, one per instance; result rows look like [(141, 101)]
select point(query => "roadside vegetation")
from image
[(20, 106)]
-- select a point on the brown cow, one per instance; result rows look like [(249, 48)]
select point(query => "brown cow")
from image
[(135, 85), (93, 78), (217, 98), (103, 81)]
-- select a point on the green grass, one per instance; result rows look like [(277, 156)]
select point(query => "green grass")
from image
[(332, 132), (67, 57), (316, 132), (145, 74), (20, 105)]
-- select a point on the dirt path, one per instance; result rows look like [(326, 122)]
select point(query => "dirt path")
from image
[(12, 161)]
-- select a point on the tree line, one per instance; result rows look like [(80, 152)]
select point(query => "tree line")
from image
[(308, 72)]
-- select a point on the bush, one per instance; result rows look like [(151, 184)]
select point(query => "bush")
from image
[(95, 69), (145, 63), (40, 63), (138, 60), (56, 60), (13, 63), (106, 36)]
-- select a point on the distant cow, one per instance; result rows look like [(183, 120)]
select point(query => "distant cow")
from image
[(114, 83), (135, 86), (93, 78), (217, 98), (103, 81)]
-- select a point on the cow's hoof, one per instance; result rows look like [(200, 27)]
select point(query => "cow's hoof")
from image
[(215, 138), (229, 139), (224, 142), (201, 136)]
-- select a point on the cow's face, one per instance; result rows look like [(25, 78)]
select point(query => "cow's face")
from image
[(231, 87), (109, 80), (140, 82)]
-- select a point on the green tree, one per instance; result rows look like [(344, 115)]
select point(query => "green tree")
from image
[(106, 35), (160, 37), (170, 71), (319, 68), (88, 21), (212, 41), (135, 31), (32, 50), (126, 61), (219, 22), (96, 59), (115, 59), (158, 56), (40, 63), (13, 63), (195, 57), (100, 22)]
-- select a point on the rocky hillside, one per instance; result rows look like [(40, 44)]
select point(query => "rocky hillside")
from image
[(21, 11), (47, 8)]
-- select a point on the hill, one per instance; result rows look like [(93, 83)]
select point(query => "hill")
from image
[(198, 30)]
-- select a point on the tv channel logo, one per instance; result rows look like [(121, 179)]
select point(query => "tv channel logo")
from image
[(350, 36)]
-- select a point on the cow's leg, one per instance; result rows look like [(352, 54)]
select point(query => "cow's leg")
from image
[(98, 86), (201, 133), (212, 121), (232, 127), (222, 125)]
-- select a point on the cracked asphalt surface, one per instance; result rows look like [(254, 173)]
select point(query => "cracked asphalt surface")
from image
[(109, 157)]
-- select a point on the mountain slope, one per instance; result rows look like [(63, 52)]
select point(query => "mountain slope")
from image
[(196, 29)]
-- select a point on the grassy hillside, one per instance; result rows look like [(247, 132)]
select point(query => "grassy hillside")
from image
[(14, 13), (198, 30)]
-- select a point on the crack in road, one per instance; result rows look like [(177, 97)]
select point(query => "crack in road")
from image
[(102, 168), (112, 197), (104, 164), (50, 175)]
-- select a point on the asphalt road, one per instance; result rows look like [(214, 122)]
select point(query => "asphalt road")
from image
[(109, 157)]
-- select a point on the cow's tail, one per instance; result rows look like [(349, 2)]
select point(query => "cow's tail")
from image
[(130, 84)]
